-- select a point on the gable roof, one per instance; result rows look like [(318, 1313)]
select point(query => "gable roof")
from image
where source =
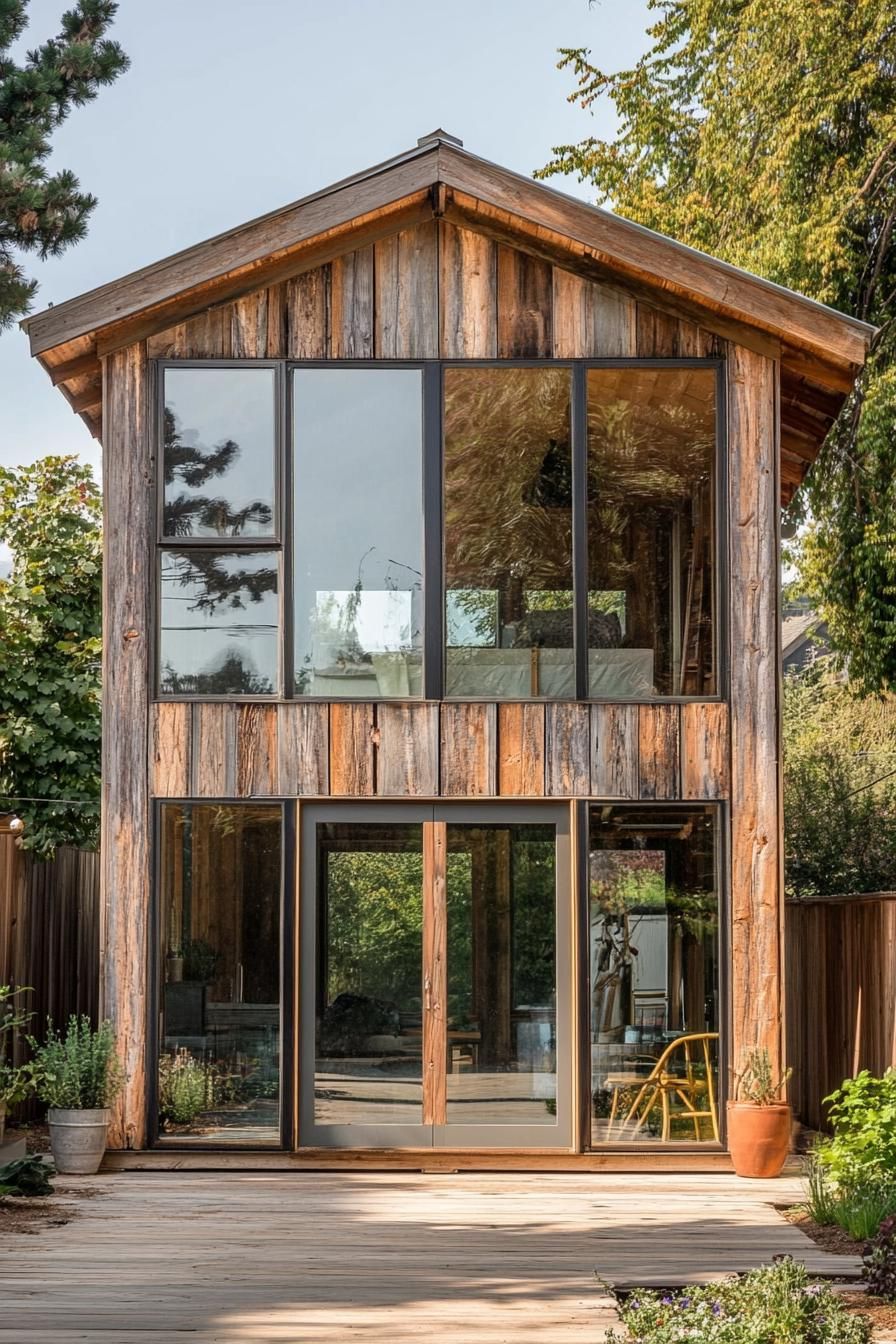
[(821, 350)]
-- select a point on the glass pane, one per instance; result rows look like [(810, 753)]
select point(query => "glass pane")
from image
[(358, 530), (369, 1014), (219, 1069), (508, 533), (651, 532), (654, 931), (218, 626), (218, 453), (502, 979)]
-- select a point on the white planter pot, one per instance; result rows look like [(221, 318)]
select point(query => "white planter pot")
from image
[(78, 1140)]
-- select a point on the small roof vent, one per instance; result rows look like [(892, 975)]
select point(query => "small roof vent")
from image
[(438, 135)]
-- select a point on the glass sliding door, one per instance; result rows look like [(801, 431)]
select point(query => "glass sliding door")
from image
[(219, 1069), (361, 976), (654, 984), (435, 973)]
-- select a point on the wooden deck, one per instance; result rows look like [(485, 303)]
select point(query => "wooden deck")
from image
[(386, 1258)]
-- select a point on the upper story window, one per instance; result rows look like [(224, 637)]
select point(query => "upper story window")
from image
[(464, 530)]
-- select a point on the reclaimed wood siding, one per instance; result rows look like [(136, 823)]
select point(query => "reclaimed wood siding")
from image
[(128, 495), (424, 750), (439, 288), (756, 810)]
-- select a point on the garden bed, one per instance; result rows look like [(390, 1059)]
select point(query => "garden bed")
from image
[(829, 1236)]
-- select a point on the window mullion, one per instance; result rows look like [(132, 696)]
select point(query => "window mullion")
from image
[(579, 428)]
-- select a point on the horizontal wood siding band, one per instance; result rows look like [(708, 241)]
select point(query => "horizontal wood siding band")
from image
[(705, 751), (352, 752), (468, 753), (614, 751), (407, 751), (659, 774), (256, 752), (567, 750), (303, 745), (521, 750), (213, 754), (171, 748)]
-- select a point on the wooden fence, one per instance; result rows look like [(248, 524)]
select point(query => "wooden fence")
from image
[(841, 994), (49, 930)]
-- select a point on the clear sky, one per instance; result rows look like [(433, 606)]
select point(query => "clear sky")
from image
[(234, 107)]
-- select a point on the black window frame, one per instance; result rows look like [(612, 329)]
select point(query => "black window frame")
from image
[(434, 632)]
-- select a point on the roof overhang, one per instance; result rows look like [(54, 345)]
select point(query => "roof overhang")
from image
[(821, 351)]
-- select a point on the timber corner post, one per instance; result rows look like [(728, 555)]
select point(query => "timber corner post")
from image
[(128, 499)]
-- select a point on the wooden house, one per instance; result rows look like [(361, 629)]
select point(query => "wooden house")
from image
[(441, 805)]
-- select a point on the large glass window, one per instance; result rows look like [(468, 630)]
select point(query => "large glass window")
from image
[(220, 1055), (508, 533), (358, 531), (651, 552), (218, 622), (569, 555), (654, 942)]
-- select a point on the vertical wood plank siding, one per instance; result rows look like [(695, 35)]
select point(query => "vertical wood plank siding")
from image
[(128, 495), (442, 290), (756, 957)]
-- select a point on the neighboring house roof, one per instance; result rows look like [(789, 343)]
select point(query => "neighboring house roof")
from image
[(795, 630), (821, 351)]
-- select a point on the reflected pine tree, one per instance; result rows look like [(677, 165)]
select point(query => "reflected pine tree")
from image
[(192, 465)]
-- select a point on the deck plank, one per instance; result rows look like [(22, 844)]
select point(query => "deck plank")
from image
[(321, 1257)]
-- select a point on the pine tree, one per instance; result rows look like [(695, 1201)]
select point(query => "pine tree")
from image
[(40, 211)]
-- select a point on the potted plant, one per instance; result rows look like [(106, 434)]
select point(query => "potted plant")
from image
[(759, 1120), (78, 1075), (15, 1079)]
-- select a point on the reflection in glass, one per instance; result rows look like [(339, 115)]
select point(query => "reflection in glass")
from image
[(358, 528), (218, 622), (219, 1065), (654, 937), (369, 1037), (651, 462), (502, 986), (218, 453), (508, 532)]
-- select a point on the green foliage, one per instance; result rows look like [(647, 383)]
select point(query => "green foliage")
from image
[(80, 1069), (879, 1261), (862, 1113), (45, 212), (16, 1080), (858, 1209), (756, 1083), (28, 1177), (776, 1304), (50, 625), (764, 132), (184, 1088), (839, 789)]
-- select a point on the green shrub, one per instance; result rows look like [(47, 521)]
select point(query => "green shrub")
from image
[(756, 1083), (184, 1088), (879, 1261), (774, 1305), (862, 1113), (78, 1070)]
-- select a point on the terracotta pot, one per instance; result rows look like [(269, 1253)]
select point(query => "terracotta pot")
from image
[(758, 1138)]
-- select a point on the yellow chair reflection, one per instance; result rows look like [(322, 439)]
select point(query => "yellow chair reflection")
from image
[(689, 1079)]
